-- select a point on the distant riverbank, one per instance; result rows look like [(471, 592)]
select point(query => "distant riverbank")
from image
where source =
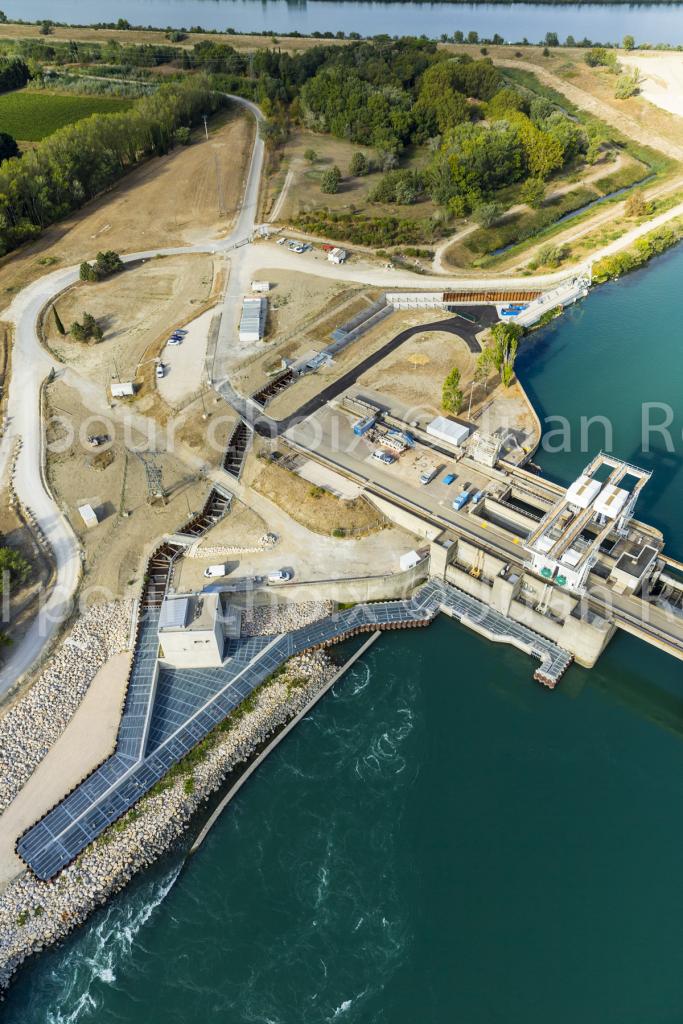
[(515, 21)]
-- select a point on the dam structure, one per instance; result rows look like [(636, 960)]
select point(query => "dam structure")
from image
[(551, 571)]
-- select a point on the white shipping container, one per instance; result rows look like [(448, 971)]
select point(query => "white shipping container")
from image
[(260, 286), (122, 389), (88, 515)]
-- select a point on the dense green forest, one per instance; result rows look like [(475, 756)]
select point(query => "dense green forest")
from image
[(483, 134)]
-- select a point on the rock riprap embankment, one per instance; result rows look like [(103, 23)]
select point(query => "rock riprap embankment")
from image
[(35, 914), (271, 619), (35, 722)]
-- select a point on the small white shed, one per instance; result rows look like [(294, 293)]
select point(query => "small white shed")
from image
[(409, 560), (88, 515)]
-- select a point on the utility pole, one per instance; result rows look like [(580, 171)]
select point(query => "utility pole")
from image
[(116, 370), (206, 129)]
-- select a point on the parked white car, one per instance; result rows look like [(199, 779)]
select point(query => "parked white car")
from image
[(279, 576)]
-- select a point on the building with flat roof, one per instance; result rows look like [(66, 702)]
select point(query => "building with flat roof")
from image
[(566, 543), (448, 430), (194, 628), (253, 319)]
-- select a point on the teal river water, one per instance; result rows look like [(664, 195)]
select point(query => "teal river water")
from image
[(442, 839)]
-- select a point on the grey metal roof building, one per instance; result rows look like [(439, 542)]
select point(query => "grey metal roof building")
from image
[(253, 319)]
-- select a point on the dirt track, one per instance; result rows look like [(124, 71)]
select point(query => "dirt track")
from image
[(605, 111)]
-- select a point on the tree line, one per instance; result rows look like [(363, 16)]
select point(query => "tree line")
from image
[(79, 161), (483, 133), (14, 73)]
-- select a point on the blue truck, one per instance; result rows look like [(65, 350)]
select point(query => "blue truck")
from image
[(461, 500)]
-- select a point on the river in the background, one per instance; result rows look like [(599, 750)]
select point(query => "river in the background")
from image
[(660, 23), (442, 839)]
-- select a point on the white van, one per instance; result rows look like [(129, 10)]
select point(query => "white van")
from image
[(215, 571), (428, 476)]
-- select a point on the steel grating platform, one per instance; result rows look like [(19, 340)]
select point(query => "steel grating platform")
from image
[(168, 710)]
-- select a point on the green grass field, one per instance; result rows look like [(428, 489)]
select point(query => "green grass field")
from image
[(29, 115)]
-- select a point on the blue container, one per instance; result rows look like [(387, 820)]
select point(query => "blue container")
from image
[(361, 427)]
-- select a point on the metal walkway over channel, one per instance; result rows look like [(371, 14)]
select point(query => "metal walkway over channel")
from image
[(169, 710)]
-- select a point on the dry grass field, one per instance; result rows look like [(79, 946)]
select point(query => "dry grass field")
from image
[(140, 214), (313, 507), (415, 372), (300, 179), (114, 481), (133, 308)]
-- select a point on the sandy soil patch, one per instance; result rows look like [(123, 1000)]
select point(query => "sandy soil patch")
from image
[(298, 301), (299, 322), (133, 308), (204, 427), (113, 480), (662, 82), (506, 411), (87, 740), (138, 213), (414, 373), (315, 508), (185, 363)]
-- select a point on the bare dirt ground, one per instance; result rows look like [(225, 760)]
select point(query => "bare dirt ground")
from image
[(310, 384), (114, 482), (297, 301), (315, 508), (138, 214), (501, 410), (303, 309), (414, 373), (662, 82), (204, 427), (133, 308)]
